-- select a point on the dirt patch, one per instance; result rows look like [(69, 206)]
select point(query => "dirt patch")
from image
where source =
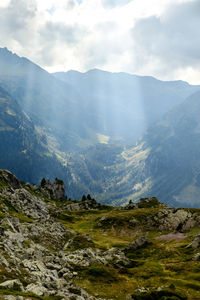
[(172, 236)]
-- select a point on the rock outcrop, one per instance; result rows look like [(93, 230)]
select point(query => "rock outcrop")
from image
[(83, 205), (55, 190), (7, 178), (175, 219), (32, 241), (143, 203)]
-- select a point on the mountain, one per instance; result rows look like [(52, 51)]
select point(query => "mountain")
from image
[(126, 104), (23, 150), (164, 162), (83, 127), (90, 108), (173, 159), (48, 102), (54, 248)]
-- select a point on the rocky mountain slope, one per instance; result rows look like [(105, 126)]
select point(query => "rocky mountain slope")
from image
[(84, 109), (164, 162), (54, 248), (44, 118), (23, 150), (125, 105)]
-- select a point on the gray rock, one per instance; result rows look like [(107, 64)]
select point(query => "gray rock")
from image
[(174, 219), (10, 179), (83, 205), (55, 191), (130, 206), (116, 258), (3, 261), (196, 257), (27, 244), (141, 290), (28, 204), (196, 242), (37, 289), (141, 242), (11, 297), (12, 284)]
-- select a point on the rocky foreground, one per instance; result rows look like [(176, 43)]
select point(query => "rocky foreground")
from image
[(54, 248)]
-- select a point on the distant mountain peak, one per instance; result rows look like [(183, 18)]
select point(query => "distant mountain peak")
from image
[(6, 52)]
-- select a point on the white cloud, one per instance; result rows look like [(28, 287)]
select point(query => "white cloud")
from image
[(169, 45), (114, 3), (137, 36)]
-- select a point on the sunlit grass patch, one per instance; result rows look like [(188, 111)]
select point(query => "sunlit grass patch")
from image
[(103, 139)]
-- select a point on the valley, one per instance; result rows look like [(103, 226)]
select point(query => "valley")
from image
[(113, 135)]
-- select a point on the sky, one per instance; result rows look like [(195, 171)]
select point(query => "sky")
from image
[(158, 38)]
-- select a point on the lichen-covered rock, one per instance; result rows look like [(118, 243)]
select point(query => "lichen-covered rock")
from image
[(37, 289), (14, 284), (23, 201), (174, 219), (115, 257)]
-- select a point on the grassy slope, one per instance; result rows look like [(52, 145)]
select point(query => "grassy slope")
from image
[(166, 264)]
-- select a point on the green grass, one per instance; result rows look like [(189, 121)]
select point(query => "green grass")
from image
[(28, 295), (166, 264)]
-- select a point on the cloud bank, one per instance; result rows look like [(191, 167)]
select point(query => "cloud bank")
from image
[(158, 38), (171, 42)]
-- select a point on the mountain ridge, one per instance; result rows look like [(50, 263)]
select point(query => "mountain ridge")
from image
[(23, 150), (89, 128)]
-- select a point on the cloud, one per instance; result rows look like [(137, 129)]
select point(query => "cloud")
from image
[(114, 3), (171, 42), (17, 20), (58, 32), (56, 38), (158, 38)]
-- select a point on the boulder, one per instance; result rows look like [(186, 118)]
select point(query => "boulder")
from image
[(196, 257), (14, 284), (174, 219), (196, 242), (115, 257), (141, 242), (37, 289)]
